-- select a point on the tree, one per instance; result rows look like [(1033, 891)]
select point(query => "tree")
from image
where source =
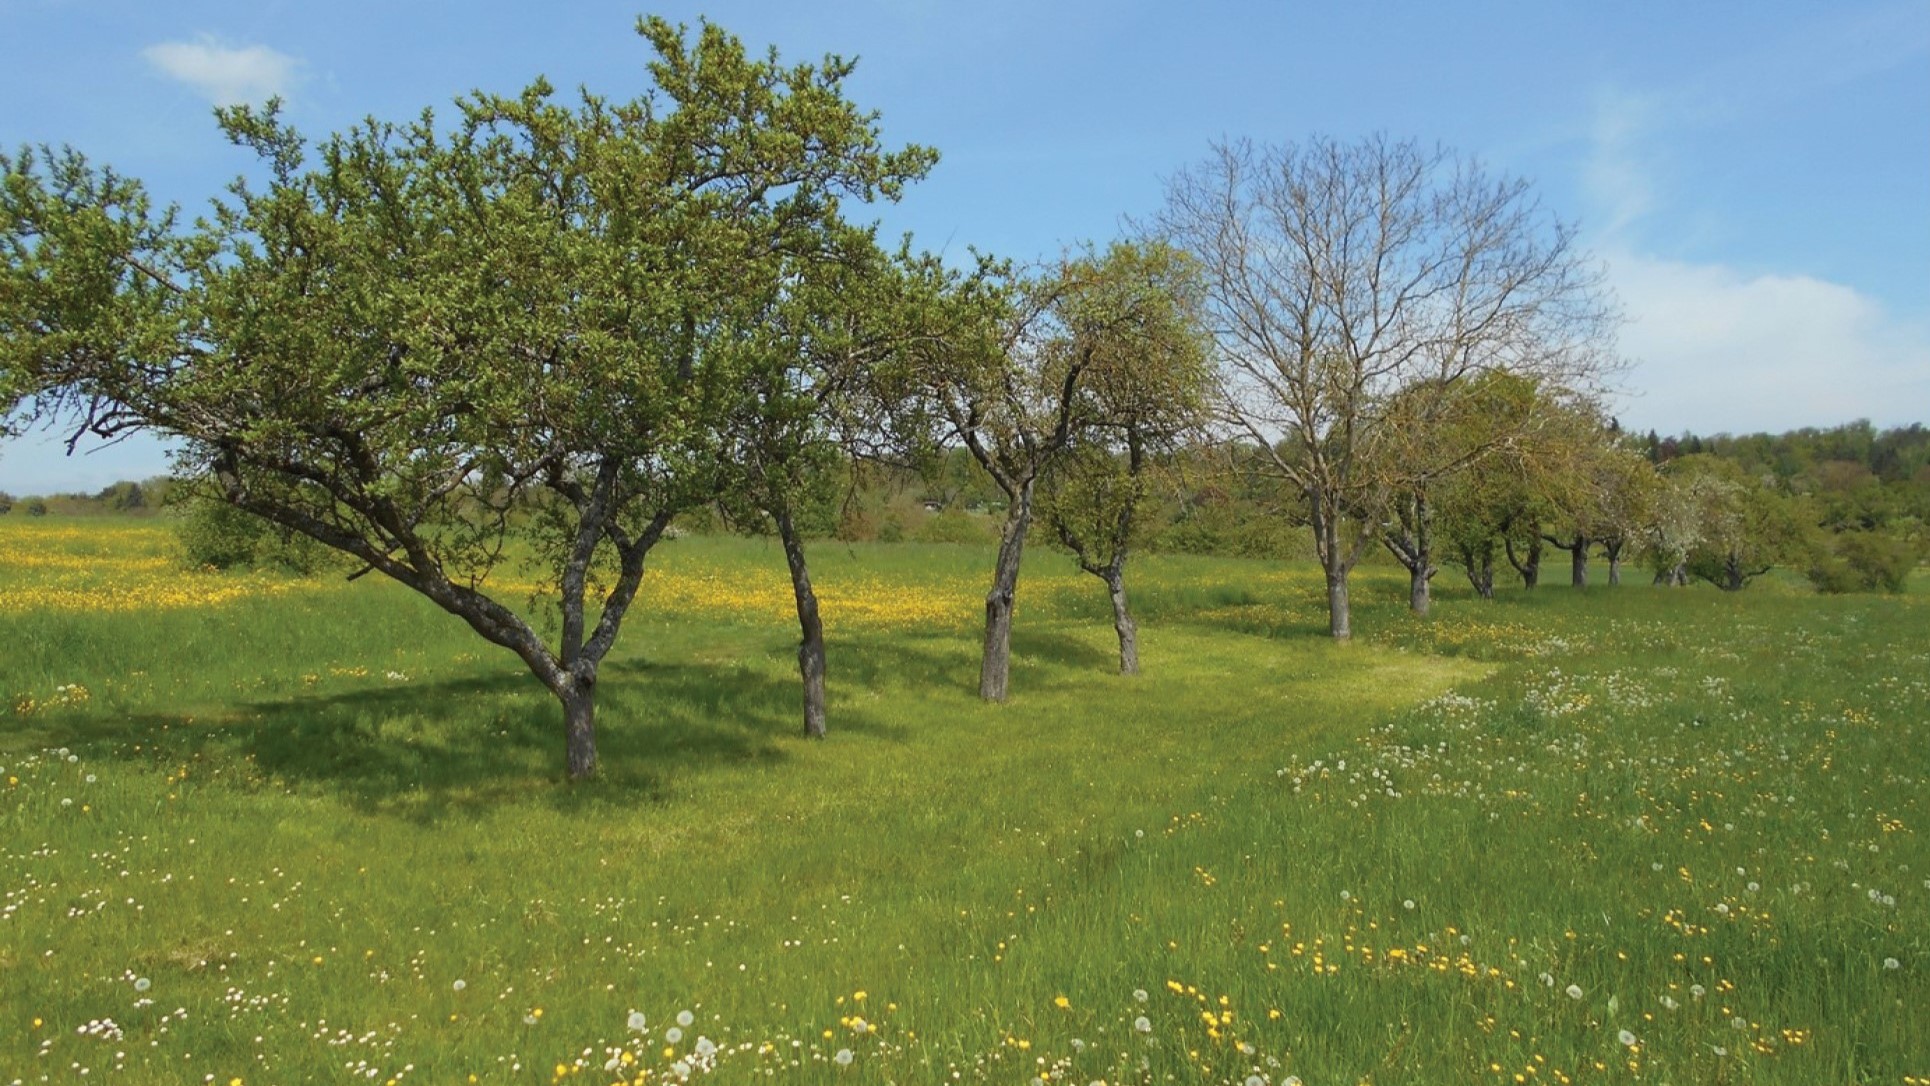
[(1139, 310), (825, 380), (434, 340), (1744, 527), (1006, 378), (1343, 275), (1438, 436)]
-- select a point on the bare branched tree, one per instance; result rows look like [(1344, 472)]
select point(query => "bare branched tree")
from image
[(1343, 276)]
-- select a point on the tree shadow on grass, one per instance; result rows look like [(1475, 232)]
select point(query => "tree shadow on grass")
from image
[(428, 751), (438, 749)]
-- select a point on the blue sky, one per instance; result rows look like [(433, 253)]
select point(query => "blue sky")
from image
[(1754, 176)]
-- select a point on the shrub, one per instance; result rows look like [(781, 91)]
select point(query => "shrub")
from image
[(953, 526), (214, 533), (1863, 562)]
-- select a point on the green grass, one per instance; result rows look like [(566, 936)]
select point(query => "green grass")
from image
[(302, 818)]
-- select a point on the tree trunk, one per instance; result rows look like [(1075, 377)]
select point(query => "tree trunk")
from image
[(579, 727), (1578, 563), (1530, 566), (1122, 622), (1480, 568), (1732, 576), (1339, 615), (810, 648), (1417, 596), (1614, 552), (995, 670)]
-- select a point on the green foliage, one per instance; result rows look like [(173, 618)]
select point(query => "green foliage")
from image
[(34, 506), (1863, 561), (214, 533), (954, 526)]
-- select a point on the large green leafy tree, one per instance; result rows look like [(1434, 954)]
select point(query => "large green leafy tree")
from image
[(415, 341)]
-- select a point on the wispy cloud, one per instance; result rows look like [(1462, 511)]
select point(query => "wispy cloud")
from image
[(226, 75), (1615, 175)]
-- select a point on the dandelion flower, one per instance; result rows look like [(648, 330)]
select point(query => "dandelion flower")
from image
[(1143, 1024), (1627, 1039), (706, 1047), (680, 1069), (142, 984), (685, 1018), (1574, 991), (1698, 991), (1140, 995), (637, 1022), (1408, 904), (1739, 1022), (1255, 1080), (460, 984), (1346, 895), (843, 1057), (673, 1035), (1892, 963)]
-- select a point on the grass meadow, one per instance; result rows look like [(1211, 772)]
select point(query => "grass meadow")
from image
[(258, 831)]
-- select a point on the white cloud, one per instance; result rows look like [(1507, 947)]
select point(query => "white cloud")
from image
[(1717, 349), (223, 74)]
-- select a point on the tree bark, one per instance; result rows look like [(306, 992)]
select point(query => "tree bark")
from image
[(1578, 563), (1529, 566), (579, 727), (810, 648), (1122, 622), (1613, 550), (1339, 615), (995, 669), (1413, 547), (1417, 595)]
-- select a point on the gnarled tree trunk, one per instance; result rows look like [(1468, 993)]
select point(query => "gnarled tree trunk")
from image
[(810, 648), (995, 671), (1529, 564), (1122, 622), (1412, 544), (579, 727)]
